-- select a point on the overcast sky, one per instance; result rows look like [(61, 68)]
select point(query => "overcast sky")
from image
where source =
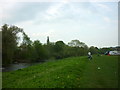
[(94, 23)]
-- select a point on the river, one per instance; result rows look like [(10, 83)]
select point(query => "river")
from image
[(16, 66)]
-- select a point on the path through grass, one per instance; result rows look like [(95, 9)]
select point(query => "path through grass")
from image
[(105, 77)]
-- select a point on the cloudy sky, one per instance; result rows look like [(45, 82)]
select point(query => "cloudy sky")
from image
[(92, 22)]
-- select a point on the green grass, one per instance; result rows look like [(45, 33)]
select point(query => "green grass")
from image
[(75, 72), (0, 80)]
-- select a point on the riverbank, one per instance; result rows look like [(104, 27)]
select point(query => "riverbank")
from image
[(75, 72)]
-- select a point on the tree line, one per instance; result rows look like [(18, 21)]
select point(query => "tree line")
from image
[(35, 51)]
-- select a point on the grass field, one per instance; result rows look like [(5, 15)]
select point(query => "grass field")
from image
[(75, 72), (0, 80)]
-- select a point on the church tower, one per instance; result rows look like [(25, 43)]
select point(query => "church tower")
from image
[(48, 40)]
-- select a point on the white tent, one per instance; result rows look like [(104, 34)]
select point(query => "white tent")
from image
[(114, 52)]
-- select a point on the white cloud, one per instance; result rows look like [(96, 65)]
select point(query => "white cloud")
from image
[(6, 6), (103, 6), (107, 19), (44, 34), (25, 23), (55, 10), (103, 0), (61, 0)]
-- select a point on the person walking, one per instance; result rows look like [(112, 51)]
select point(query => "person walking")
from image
[(89, 55)]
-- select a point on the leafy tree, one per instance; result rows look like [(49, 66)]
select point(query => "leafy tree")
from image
[(94, 50), (77, 43), (40, 52), (79, 48), (9, 42), (25, 50), (59, 46), (59, 49), (50, 50), (26, 39)]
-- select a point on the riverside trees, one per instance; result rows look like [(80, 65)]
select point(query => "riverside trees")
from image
[(32, 51)]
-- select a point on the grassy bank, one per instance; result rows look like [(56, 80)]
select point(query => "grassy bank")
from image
[(75, 72)]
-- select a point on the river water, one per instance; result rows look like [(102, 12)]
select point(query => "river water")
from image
[(13, 67)]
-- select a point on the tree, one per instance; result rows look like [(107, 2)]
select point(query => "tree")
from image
[(9, 42), (59, 49), (26, 39), (77, 43), (93, 50), (40, 52), (81, 48), (59, 46), (50, 49)]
